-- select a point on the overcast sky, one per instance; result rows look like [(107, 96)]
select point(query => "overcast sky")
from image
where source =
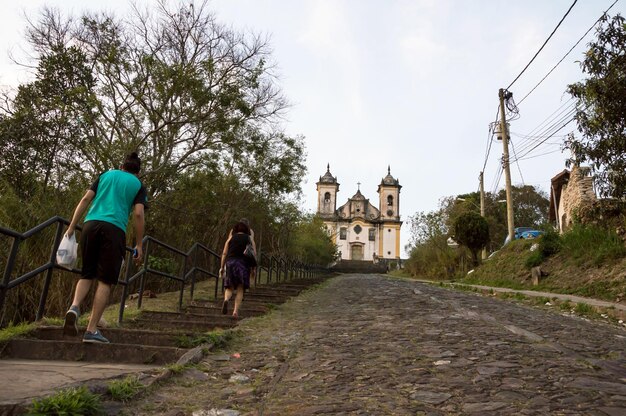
[(411, 84)]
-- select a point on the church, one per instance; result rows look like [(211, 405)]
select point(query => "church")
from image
[(360, 230)]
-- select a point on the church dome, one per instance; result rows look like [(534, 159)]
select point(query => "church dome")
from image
[(389, 180), (328, 177)]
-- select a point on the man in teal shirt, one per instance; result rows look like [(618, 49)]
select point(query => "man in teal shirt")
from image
[(113, 196)]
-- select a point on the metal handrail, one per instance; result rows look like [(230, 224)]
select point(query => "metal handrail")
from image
[(275, 265)]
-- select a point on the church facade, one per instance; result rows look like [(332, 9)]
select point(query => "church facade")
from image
[(361, 230)]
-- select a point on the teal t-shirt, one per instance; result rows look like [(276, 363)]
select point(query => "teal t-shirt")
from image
[(116, 194)]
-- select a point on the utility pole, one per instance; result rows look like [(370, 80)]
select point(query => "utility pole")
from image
[(482, 207), (507, 172)]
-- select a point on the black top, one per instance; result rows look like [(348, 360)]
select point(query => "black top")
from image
[(237, 246)]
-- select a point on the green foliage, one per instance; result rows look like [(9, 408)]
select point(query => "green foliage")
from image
[(472, 231), (124, 389), (219, 339), (592, 244), (69, 402), (312, 243), (535, 259), (583, 309), (601, 109), (13, 331), (548, 244)]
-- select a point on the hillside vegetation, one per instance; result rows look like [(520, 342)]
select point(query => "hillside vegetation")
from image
[(586, 261)]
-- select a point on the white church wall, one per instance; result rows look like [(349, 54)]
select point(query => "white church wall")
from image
[(389, 243)]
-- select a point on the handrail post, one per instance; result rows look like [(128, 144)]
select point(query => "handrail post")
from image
[(125, 290), (182, 285), (143, 275), (193, 274), (46, 285), (4, 287)]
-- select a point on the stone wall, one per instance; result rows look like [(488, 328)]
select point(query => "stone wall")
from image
[(577, 193)]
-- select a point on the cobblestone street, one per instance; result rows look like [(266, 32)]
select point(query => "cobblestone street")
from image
[(372, 345)]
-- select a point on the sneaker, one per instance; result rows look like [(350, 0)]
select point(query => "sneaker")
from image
[(225, 307), (94, 338), (70, 326)]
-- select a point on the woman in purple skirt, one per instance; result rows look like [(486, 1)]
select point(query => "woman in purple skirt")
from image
[(235, 266)]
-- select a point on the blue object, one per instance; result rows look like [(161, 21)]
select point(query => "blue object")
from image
[(524, 233)]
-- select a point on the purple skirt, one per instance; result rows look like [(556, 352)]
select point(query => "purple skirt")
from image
[(237, 273)]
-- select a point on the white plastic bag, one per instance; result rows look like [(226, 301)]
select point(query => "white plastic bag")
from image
[(67, 254)]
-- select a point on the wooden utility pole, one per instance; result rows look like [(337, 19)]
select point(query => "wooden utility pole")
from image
[(505, 162), (482, 207)]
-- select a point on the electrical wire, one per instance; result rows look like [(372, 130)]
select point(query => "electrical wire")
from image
[(559, 129), (568, 52), (516, 160), (490, 138), (549, 132), (544, 44)]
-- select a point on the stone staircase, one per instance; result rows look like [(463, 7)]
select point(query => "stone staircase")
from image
[(359, 267), (153, 338)]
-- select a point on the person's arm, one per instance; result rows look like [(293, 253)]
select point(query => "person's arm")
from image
[(252, 239), (79, 211), (139, 222), (224, 252)]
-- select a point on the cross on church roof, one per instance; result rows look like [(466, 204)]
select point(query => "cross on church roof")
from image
[(358, 184)]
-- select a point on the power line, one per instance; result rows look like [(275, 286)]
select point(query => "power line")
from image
[(549, 132), (544, 44), (490, 138), (516, 160), (559, 129), (568, 52)]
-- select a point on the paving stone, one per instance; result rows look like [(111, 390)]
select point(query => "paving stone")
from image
[(366, 345)]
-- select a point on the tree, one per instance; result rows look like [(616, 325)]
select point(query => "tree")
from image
[(169, 82), (472, 231), (601, 109)]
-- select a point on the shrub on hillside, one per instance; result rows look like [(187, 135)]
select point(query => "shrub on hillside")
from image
[(594, 243)]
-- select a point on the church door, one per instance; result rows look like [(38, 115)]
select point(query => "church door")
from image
[(357, 252)]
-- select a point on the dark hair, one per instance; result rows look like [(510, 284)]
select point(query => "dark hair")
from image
[(241, 227), (132, 163), (245, 221)]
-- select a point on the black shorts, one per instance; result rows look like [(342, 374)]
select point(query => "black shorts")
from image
[(103, 246)]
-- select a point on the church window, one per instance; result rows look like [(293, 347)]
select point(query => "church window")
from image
[(357, 229), (372, 234), (389, 253), (390, 200), (343, 233), (327, 197)]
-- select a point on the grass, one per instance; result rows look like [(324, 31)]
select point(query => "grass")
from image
[(219, 339), (68, 402), (13, 331), (125, 389), (592, 245)]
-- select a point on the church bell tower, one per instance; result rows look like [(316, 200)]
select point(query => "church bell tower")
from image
[(327, 188)]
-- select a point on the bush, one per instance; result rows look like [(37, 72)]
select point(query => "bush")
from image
[(549, 243), (69, 402), (594, 243)]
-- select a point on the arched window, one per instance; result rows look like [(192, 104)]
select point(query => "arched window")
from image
[(390, 200), (327, 197)]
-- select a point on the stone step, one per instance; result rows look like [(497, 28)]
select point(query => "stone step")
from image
[(271, 290), (114, 335), (76, 350), (246, 310), (181, 322)]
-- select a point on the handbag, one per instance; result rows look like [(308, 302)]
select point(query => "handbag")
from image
[(67, 253), (250, 254)]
